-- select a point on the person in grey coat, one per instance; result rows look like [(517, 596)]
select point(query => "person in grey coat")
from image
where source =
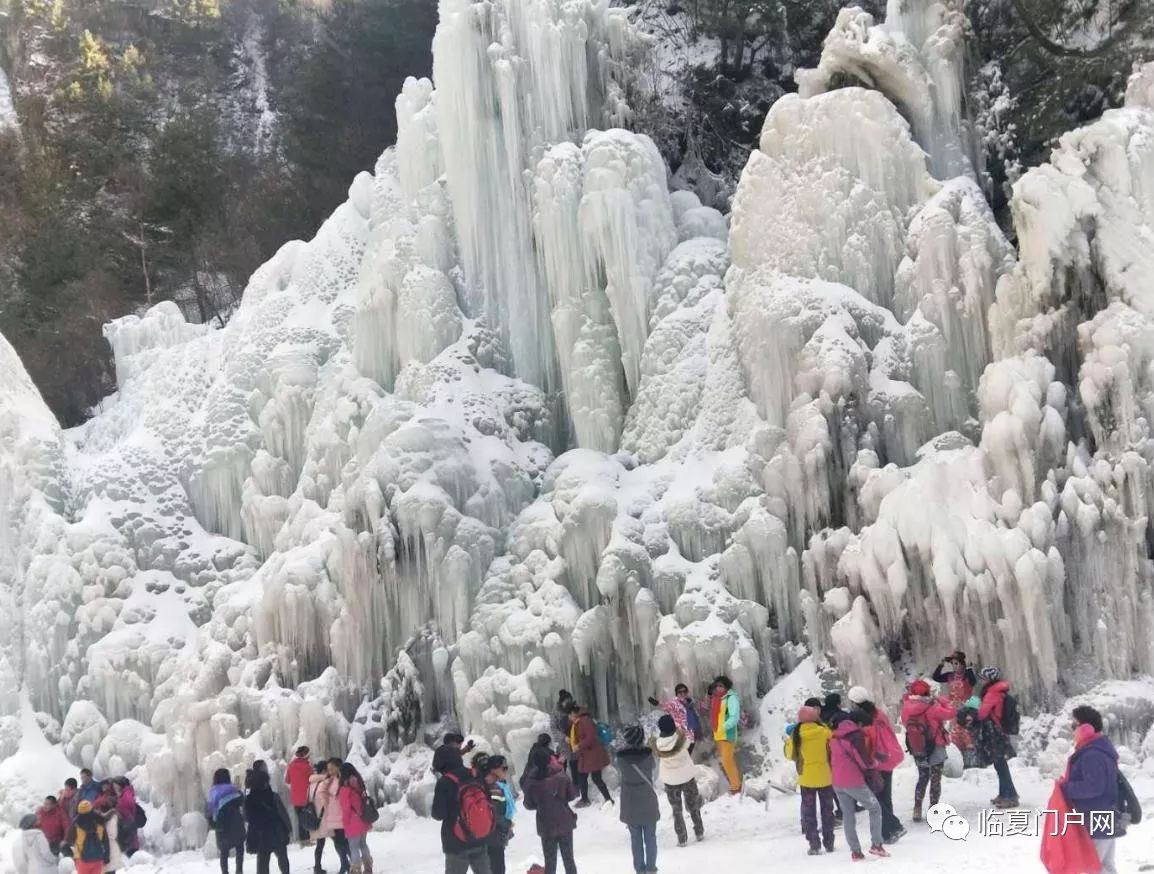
[(639, 810)]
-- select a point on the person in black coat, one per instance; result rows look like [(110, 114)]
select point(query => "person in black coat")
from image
[(226, 815), (460, 857), (269, 826)]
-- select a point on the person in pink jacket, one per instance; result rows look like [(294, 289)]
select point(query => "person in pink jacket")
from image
[(882, 742), (352, 801), (925, 719), (324, 792), (853, 774)]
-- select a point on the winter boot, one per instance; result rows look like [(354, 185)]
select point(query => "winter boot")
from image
[(368, 866), (917, 817), (814, 850), (856, 857), (879, 850)]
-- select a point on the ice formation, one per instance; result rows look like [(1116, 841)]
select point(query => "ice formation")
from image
[(518, 418)]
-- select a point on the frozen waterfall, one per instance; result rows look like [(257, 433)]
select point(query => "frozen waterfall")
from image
[(518, 418)]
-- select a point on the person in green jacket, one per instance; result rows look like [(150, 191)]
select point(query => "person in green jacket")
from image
[(725, 716)]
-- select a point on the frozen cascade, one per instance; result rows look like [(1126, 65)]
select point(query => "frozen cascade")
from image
[(844, 422)]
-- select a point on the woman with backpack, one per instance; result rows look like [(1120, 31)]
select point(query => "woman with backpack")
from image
[(639, 808), (997, 720), (357, 819), (226, 816), (88, 838), (924, 718), (324, 795), (808, 746), (461, 804), (855, 781), (269, 826), (548, 791), (129, 815), (883, 746), (592, 754)]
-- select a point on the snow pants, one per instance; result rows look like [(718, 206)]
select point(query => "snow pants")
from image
[(863, 796), (686, 795), (810, 799), (728, 755)]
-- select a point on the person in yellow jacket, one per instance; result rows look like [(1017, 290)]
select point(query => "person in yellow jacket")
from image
[(807, 744), (725, 717)]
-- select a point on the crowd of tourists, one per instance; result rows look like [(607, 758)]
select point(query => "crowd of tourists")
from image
[(96, 823), (845, 757)]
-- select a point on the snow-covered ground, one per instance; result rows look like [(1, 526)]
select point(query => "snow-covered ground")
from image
[(744, 836)]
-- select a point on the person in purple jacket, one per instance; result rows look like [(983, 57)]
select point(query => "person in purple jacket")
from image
[(1090, 785)]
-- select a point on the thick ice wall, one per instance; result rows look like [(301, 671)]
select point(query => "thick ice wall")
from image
[(917, 60), (839, 205), (512, 79), (31, 500)]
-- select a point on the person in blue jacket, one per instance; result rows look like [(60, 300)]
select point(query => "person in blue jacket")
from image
[(1090, 785)]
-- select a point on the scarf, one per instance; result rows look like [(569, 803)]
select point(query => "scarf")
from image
[(1083, 734), (715, 707)]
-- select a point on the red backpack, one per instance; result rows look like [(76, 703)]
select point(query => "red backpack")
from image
[(475, 820)]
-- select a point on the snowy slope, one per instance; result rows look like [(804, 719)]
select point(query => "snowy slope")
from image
[(523, 414)]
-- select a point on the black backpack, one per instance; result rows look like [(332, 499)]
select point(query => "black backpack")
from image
[(1129, 811), (140, 818), (369, 811), (1011, 715), (310, 821)]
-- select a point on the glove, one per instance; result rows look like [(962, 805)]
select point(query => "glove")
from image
[(654, 702)]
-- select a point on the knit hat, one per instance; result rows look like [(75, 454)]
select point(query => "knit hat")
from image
[(991, 673), (859, 694), (29, 821), (667, 726), (808, 714), (634, 736), (920, 688), (84, 807)]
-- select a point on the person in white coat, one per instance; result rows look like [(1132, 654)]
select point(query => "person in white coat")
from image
[(679, 774), (115, 856), (31, 854)]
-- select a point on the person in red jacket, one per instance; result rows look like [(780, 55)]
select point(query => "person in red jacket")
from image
[(592, 757), (996, 742), (54, 821), (297, 776), (926, 738)]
